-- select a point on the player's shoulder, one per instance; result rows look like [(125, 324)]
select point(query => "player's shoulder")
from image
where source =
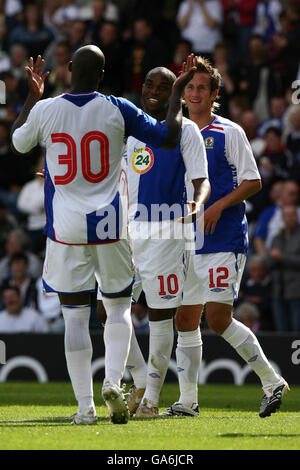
[(46, 102), (189, 126), (229, 127)]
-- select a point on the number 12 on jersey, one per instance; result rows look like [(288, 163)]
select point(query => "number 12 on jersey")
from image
[(215, 279)]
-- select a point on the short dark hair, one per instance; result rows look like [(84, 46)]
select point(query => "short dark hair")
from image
[(274, 130), (14, 288), (18, 257)]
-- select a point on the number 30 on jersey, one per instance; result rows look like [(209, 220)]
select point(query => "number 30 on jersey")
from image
[(70, 158)]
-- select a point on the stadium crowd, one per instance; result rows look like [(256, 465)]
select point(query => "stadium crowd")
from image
[(256, 47)]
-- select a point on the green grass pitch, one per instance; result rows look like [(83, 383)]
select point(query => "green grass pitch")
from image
[(32, 417)]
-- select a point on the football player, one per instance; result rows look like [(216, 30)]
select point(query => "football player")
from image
[(83, 132), (216, 269)]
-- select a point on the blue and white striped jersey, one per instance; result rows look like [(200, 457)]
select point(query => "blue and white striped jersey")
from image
[(230, 161), (84, 137), (157, 177)]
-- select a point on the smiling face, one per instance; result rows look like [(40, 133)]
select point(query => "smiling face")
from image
[(156, 92), (198, 95)]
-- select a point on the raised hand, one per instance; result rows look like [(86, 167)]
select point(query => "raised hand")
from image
[(188, 69), (35, 77)]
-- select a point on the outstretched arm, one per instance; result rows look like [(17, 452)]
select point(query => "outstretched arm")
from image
[(36, 89), (174, 116)]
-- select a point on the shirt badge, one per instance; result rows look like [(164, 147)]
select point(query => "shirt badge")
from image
[(209, 142), (142, 160)]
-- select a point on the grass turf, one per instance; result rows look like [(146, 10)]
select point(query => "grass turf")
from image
[(32, 417)]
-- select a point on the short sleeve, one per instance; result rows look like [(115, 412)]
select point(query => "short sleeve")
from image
[(261, 230), (239, 153), (182, 10), (140, 125), (28, 136), (215, 11), (193, 152)]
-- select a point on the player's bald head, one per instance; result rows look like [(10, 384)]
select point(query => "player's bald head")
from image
[(163, 72), (87, 64)]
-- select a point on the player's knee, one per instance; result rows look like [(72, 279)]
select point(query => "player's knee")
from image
[(187, 319), (181, 322), (217, 322)]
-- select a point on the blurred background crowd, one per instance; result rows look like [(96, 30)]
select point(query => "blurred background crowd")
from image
[(255, 44)]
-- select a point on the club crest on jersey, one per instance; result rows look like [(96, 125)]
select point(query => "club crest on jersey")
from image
[(142, 160), (209, 142)]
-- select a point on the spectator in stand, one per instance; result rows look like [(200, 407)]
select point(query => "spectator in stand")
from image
[(31, 203), (144, 52), (267, 18), (274, 52), (32, 33), (293, 140), (65, 15), (270, 221), (101, 11), (280, 160), (288, 45), (256, 290), (200, 23), (12, 12), (7, 224), (182, 51), (249, 315), (256, 78), (76, 35), (21, 278), (49, 8), (284, 263), (237, 104), (250, 124), (277, 109), (4, 57), (60, 78), (18, 58), (220, 60), (17, 242), (18, 319), (14, 172), (241, 17), (113, 81)]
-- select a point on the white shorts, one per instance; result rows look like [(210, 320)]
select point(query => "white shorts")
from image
[(160, 265), (73, 268), (213, 277)]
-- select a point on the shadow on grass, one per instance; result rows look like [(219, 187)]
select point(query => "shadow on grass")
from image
[(240, 434), (44, 422)]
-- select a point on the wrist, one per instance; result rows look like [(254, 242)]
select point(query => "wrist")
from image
[(32, 98), (220, 205)]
